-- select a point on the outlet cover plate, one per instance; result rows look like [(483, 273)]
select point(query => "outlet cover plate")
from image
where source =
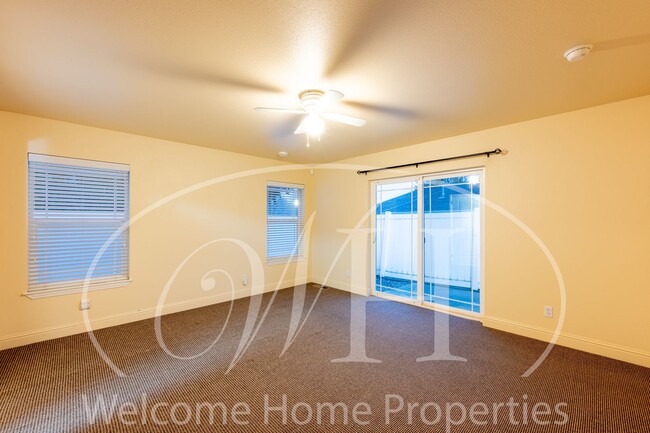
[(548, 311)]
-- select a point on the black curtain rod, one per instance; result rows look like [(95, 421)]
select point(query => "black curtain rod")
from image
[(431, 161)]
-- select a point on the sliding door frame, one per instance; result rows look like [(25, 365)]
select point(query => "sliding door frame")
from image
[(373, 243), (420, 178)]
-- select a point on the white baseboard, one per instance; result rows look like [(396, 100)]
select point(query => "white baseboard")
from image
[(340, 285), (49, 333), (585, 344), (573, 341)]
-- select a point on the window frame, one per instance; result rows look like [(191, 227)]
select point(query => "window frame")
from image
[(50, 289), (299, 252)]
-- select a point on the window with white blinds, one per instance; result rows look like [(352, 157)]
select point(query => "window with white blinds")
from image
[(285, 215), (77, 209)]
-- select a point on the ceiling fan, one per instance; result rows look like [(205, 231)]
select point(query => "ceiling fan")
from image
[(315, 105)]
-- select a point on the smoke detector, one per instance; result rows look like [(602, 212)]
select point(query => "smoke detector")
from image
[(578, 52), (283, 154)]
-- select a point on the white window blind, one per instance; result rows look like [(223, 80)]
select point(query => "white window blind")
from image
[(285, 215), (75, 207)]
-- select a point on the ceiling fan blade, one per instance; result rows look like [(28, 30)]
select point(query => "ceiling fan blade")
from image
[(384, 109), (301, 128), (177, 70), (328, 99), (342, 118), (282, 110)]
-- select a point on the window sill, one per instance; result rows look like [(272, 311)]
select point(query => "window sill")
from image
[(77, 288), (284, 260)]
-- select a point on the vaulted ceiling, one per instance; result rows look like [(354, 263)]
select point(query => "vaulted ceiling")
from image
[(192, 71)]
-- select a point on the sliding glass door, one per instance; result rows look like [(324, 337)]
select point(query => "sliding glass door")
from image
[(452, 240), (428, 239), (396, 221)]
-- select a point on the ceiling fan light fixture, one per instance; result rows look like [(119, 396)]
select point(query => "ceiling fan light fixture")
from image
[(314, 125), (315, 105)]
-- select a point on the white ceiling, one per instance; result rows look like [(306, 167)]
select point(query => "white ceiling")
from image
[(192, 71)]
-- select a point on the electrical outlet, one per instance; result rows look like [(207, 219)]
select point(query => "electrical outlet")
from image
[(84, 304), (548, 311), (244, 280)]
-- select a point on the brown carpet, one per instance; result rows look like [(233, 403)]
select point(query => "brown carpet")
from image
[(43, 386)]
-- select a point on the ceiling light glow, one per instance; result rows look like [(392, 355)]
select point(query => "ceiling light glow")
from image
[(314, 125)]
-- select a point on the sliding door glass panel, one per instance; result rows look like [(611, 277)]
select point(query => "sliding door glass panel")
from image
[(452, 239), (396, 221)]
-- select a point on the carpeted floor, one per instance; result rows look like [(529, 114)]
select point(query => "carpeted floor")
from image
[(54, 386)]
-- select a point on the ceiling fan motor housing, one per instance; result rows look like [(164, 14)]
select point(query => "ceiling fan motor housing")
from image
[(309, 98)]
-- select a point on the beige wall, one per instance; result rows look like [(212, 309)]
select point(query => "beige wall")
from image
[(580, 181), (160, 240)]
